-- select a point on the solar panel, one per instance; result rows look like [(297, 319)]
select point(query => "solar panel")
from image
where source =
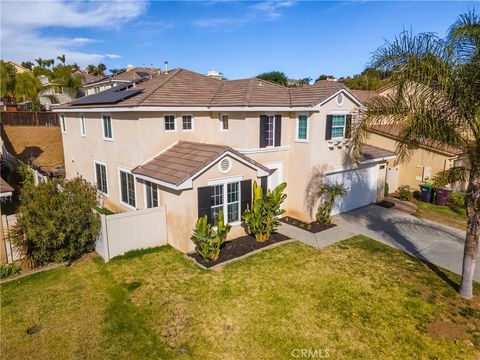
[(106, 97)]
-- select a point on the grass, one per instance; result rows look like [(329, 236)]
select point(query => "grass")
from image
[(442, 214), (358, 299), (103, 210)]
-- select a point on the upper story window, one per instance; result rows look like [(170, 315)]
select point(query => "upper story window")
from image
[(62, 124), (101, 177), (301, 133), (169, 123), (187, 122), (224, 122), (107, 127), (270, 130), (338, 126), (83, 130), (127, 188)]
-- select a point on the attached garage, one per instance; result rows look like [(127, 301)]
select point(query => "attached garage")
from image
[(365, 183)]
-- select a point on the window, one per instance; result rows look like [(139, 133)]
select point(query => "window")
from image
[(187, 122), (83, 131), (107, 127), (224, 122), (127, 188), (152, 194), (338, 126), (169, 123), (62, 124), (101, 177), (302, 127), (96, 89), (270, 139), (226, 198)]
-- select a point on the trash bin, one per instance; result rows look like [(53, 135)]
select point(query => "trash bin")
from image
[(442, 196), (426, 193)]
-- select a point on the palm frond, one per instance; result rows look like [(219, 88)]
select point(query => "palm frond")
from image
[(449, 176)]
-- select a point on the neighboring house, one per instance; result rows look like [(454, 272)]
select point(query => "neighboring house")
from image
[(19, 68), (424, 162), (194, 144), (52, 93), (108, 82)]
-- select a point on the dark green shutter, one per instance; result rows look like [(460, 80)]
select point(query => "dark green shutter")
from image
[(263, 130), (264, 182), (278, 130), (348, 127), (328, 131), (246, 195), (205, 202)]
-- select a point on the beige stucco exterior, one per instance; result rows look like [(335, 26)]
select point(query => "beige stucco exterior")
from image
[(139, 136)]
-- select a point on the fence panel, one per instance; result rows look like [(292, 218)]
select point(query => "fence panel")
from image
[(29, 118), (131, 230)]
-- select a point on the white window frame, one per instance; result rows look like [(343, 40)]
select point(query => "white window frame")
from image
[(274, 128), (125, 170), (224, 182), (146, 194), (297, 126), (103, 127), (63, 124), (95, 162), (221, 122), (83, 126), (191, 116), (344, 126), (174, 123)]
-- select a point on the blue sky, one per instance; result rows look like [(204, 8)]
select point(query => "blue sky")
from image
[(239, 38)]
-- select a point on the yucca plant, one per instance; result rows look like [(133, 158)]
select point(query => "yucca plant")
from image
[(328, 194), (262, 218), (209, 239)]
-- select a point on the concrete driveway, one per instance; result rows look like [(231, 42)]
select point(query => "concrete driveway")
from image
[(438, 244)]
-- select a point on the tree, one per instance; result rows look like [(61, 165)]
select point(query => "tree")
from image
[(61, 58), (101, 69), (327, 195), (435, 100), (27, 65), (7, 80), (117, 71), (96, 70), (63, 76), (325, 77), (276, 77), (27, 88), (55, 221)]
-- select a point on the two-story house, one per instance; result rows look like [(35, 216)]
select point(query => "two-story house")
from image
[(194, 144)]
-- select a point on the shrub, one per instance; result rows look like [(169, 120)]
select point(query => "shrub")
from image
[(8, 270), (328, 194), (56, 222), (262, 218), (404, 193), (386, 190), (208, 239), (456, 201), (26, 174)]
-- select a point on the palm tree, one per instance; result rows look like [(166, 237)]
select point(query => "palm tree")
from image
[(27, 88), (61, 58), (7, 80), (435, 99), (327, 195)]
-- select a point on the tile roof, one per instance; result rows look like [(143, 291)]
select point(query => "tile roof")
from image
[(184, 159), (364, 95), (370, 152), (182, 87), (394, 132), (5, 187)]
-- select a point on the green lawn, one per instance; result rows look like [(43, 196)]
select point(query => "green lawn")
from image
[(442, 214), (358, 299)]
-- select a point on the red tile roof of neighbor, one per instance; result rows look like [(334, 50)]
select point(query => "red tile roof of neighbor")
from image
[(184, 159), (5, 187), (182, 87)]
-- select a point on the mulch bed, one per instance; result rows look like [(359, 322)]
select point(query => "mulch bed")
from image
[(313, 227), (238, 247), (386, 204)]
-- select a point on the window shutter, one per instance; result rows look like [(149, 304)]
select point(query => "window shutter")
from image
[(264, 182), (278, 130), (205, 202), (328, 131), (348, 126), (246, 195), (263, 131)]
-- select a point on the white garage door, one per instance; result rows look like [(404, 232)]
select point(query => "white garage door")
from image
[(361, 184)]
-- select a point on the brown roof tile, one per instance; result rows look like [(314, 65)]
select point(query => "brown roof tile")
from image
[(370, 152), (184, 159), (5, 187)]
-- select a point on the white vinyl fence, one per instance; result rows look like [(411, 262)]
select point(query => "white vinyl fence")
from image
[(131, 230), (9, 221)]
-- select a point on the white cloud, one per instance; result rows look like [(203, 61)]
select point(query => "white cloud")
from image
[(262, 11), (22, 34)]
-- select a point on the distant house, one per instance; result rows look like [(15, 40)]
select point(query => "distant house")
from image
[(108, 82), (424, 163), (19, 68)]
